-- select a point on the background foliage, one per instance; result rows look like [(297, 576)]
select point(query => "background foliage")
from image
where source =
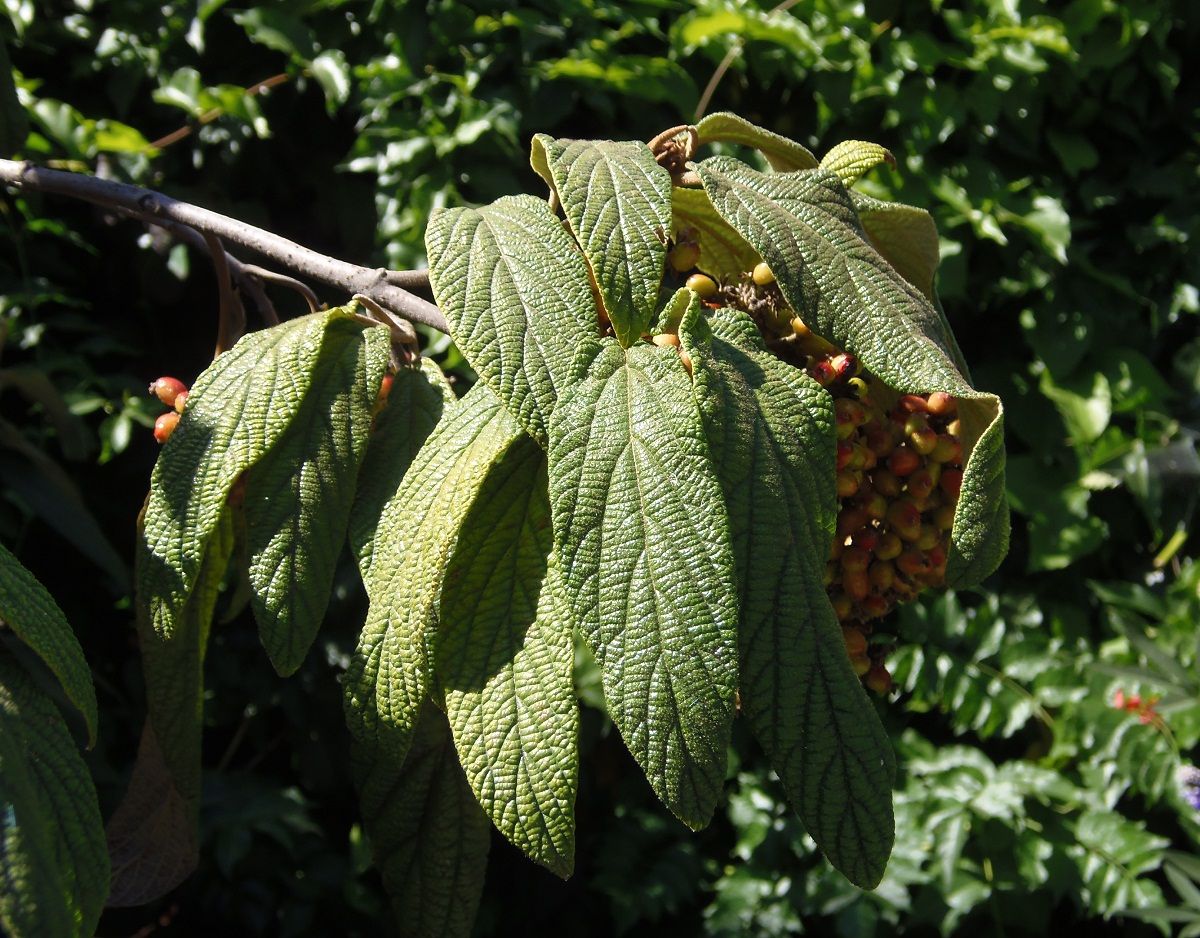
[(1056, 147)]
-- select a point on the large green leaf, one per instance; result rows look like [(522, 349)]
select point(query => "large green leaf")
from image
[(174, 667), (771, 431), (784, 155), (724, 253), (515, 290), (388, 676), (238, 409), (53, 861), (298, 496), (906, 237), (34, 617), (640, 530), (418, 396), (617, 200), (429, 837), (505, 661), (805, 227)]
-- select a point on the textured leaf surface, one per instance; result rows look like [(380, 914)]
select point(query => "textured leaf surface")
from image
[(174, 667), (298, 496), (53, 861), (617, 200), (906, 237), (771, 431), (388, 676), (516, 291), (723, 252), (505, 663), (804, 225), (429, 837), (237, 410), (34, 617), (852, 159), (783, 154), (415, 404), (641, 534)]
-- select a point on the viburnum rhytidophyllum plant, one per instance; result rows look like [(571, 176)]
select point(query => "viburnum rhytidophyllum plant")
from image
[(721, 428)]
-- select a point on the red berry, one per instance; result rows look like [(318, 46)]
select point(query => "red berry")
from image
[(903, 461), (873, 607), (913, 404), (856, 642), (166, 389), (879, 679), (164, 426), (941, 404), (951, 482), (856, 584), (855, 560), (948, 449)]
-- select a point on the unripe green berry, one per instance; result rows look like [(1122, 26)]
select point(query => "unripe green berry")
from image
[(683, 256), (762, 275), (890, 546), (702, 285), (948, 449)]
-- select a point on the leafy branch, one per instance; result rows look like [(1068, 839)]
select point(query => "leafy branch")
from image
[(376, 284)]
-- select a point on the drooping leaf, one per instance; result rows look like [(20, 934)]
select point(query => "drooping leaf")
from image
[(53, 861), (783, 154), (237, 410), (905, 235), (516, 292), (151, 835), (852, 159), (388, 677), (805, 227), (174, 667), (414, 407), (617, 200), (34, 617), (429, 836), (641, 535), (298, 496), (505, 662), (723, 252), (771, 432)]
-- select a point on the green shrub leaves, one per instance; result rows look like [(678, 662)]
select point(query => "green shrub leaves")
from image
[(670, 497)]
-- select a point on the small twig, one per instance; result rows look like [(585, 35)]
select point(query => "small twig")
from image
[(213, 113), (408, 279), (261, 273), (266, 309), (286, 253), (734, 51), (231, 318)]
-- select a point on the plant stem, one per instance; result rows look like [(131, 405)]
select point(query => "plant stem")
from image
[(124, 197)]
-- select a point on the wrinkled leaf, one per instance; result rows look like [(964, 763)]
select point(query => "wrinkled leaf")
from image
[(505, 661), (641, 535), (805, 227), (783, 154), (515, 289), (34, 617), (617, 200), (771, 430), (298, 496), (52, 856)]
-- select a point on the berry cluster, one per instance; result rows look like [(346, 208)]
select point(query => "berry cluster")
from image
[(173, 393), (899, 465)]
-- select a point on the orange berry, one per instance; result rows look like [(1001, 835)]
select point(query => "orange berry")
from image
[(882, 575), (941, 404), (181, 401), (166, 389), (165, 425), (879, 679), (666, 340), (856, 642), (861, 664), (856, 584), (903, 461)]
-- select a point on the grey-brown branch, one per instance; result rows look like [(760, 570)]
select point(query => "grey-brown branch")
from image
[(375, 283)]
